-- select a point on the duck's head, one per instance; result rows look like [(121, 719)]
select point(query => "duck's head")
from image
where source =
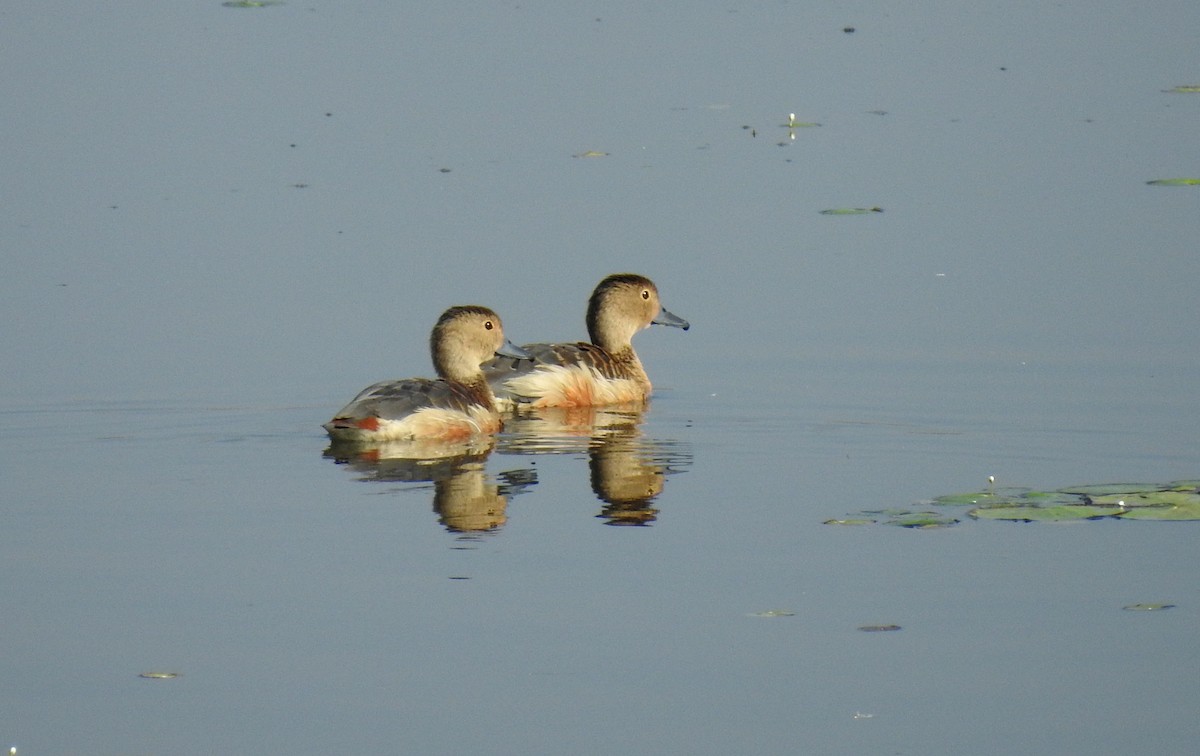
[(465, 337), (622, 305)]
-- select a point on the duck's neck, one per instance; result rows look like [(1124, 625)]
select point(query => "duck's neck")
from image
[(630, 364), (609, 332), (480, 391)]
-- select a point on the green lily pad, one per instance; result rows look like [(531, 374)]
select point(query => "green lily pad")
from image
[(1148, 499), (1184, 485), (923, 520), (888, 511), (1163, 514), (1175, 182), (1105, 489), (1147, 607), (1047, 499), (982, 498), (852, 211), (1166, 505), (1031, 513), (159, 675), (1184, 89), (901, 517), (1178, 500)]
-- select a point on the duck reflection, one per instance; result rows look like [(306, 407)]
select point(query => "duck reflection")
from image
[(465, 498), (627, 470)]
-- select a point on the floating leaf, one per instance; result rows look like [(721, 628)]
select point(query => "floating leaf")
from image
[(879, 628), (852, 211), (851, 521), (1184, 89), (252, 3), (774, 613), (1147, 607), (1032, 513), (159, 675), (591, 154), (1175, 182)]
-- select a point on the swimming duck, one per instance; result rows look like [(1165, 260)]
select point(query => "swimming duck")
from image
[(458, 405), (607, 371)]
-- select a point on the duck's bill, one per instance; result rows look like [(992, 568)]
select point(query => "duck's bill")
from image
[(509, 349), (670, 319)]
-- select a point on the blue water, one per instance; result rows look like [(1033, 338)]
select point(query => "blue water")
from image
[(218, 224)]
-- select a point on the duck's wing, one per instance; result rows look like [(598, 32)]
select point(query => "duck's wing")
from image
[(501, 370), (394, 400)]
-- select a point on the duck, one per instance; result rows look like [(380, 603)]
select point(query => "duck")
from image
[(605, 371), (456, 406)]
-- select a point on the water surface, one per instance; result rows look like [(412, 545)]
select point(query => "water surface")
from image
[(221, 223)]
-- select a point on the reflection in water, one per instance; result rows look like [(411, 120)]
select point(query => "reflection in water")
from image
[(628, 470), (465, 498)]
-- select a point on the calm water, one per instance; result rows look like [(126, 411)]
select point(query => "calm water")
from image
[(218, 224)]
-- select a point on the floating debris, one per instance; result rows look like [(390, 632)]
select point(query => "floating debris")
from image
[(252, 3), (1184, 89), (852, 521), (1175, 182), (159, 675), (1147, 607), (794, 124), (879, 628), (773, 613), (852, 211), (591, 154)]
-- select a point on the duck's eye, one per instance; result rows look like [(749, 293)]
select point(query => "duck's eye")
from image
[(645, 293), (487, 324)]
